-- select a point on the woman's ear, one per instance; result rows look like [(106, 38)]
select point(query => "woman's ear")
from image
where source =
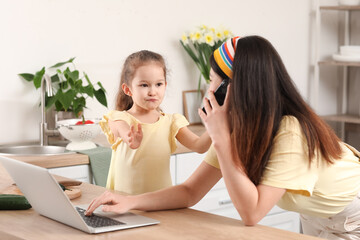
[(126, 89)]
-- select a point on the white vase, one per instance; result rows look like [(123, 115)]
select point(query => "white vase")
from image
[(349, 2)]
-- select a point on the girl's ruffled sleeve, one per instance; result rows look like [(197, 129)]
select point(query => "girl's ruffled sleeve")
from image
[(178, 121), (104, 124)]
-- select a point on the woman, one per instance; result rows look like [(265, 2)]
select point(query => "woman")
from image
[(270, 148)]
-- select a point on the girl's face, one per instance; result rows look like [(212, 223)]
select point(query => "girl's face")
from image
[(147, 87), (215, 80)]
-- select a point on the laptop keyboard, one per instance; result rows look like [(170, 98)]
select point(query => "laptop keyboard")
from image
[(97, 221)]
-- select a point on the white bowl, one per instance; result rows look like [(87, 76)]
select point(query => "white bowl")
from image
[(350, 50), (349, 2), (346, 58), (80, 136)]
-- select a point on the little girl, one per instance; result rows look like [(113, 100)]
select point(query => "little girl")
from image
[(142, 136)]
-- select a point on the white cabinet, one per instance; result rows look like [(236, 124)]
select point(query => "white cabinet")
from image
[(78, 172), (218, 201)]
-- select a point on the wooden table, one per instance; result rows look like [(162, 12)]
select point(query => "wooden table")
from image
[(174, 224)]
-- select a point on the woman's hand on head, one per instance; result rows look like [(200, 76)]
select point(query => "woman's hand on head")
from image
[(216, 117), (111, 202)]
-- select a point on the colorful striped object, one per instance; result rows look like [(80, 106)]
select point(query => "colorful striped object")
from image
[(224, 55)]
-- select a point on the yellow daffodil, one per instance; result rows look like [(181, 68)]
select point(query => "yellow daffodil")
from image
[(184, 39), (209, 39), (219, 36), (226, 33), (201, 43)]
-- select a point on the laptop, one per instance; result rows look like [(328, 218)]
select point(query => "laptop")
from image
[(47, 198)]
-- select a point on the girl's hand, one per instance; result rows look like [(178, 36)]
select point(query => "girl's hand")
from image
[(216, 119), (135, 136), (112, 203)]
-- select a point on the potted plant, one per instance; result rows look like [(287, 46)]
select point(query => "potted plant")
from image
[(70, 92), (200, 44)]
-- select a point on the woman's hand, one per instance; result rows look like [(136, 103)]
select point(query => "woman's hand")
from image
[(112, 203), (216, 117)]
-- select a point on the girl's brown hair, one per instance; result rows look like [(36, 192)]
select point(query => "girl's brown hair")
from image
[(131, 64), (261, 93)]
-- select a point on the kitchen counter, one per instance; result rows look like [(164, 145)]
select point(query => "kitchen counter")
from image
[(174, 224)]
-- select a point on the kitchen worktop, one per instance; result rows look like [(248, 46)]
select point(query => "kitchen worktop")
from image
[(174, 224)]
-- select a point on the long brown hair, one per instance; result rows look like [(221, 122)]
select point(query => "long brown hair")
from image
[(262, 92), (131, 64)]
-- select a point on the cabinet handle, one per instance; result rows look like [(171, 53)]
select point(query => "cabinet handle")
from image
[(225, 201)]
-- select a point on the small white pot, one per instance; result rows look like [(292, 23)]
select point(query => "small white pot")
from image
[(349, 2)]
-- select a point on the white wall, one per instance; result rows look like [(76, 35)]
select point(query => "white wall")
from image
[(101, 33)]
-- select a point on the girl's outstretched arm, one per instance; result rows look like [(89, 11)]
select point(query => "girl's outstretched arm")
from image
[(184, 195), (192, 141), (129, 135)]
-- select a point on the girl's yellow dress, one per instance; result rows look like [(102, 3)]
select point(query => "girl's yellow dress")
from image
[(146, 168)]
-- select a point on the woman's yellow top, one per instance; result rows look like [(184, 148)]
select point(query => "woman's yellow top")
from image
[(146, 168), (319, 189)]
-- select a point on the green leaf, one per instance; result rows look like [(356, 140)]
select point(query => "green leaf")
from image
[(62, 63), (78, 110), (55, 78), (27, 76), (100, 96), (101, 86), (69, 79), (66, 98), (88, 80), (74, 75), (49, 101), (38, 77), (89, 90), (190, 52), (78, 84), (63, 85), (79, 103), (59, 106)]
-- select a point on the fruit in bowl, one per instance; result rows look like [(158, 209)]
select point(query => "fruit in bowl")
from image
[(79, 133), (84, 122)]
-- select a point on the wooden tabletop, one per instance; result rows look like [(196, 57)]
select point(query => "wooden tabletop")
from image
[(174, 224)]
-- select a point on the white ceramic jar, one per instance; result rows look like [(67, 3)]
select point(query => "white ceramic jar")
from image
[(349, 2)]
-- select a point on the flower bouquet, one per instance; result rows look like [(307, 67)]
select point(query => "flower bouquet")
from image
[(201, 43)]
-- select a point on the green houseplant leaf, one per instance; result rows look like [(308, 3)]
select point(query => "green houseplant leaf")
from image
[(62, 63), (27, 76), (70, 93), (37, 78), (100, 96)]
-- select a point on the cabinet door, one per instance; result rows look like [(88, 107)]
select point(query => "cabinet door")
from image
[(186, 163), (173, 169), (285, 220), (216, 201), (78, 172)]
